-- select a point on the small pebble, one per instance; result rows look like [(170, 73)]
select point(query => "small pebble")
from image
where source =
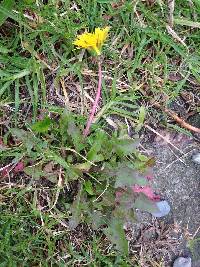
[(183, 262), (196, 158), (164, 209)]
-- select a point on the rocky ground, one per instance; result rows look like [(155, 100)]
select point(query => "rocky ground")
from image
[(177, 180)]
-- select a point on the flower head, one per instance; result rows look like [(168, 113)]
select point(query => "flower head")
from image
[(92, 41)]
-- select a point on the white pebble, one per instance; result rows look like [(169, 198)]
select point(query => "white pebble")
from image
[(182, 262), (196, 158), (164, 209)]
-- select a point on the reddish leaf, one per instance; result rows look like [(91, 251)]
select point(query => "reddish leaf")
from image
[(117, 5), (147, 191), (5, 172), (19, 167)]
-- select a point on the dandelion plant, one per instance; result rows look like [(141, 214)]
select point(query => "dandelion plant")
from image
[(93, 42)]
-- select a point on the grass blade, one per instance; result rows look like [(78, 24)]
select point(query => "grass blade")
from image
[(17, 100), (6, 5)]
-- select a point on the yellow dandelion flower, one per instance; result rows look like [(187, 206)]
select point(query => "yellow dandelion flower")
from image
[(101, 35), (92, 41)]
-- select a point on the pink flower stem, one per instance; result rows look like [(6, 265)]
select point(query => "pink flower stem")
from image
[(98, 94)]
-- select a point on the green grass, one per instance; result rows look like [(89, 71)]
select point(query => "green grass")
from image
[(153, 54), (36, 53), (31, 238)]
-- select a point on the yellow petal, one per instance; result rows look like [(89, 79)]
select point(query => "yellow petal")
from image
[(101, 35)]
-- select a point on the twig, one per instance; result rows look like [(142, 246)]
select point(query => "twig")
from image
[(178, 159), (175, 36), (165, 139), (59, 186), (90, 119), (101, 193), (5, 167), (171, 12), (64, 92), (179, 120), (196, 232)]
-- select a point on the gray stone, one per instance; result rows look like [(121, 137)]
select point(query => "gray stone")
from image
[(196, 158), (164, 209), (182, 262)]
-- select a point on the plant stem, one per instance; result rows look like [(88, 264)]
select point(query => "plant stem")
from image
[(179, 120), (98, 94)]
